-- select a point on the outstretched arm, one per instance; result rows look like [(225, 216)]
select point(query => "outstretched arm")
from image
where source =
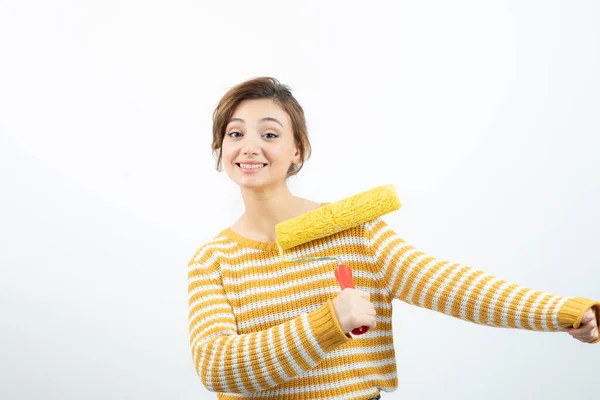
[(464, 292)]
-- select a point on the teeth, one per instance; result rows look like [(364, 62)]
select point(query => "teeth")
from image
[(252, 166)]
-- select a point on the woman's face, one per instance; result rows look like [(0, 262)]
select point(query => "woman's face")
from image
[(258, 146)]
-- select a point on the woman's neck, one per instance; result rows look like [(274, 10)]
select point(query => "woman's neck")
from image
[(265, 209)]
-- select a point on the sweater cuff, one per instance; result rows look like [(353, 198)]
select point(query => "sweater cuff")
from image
[(326, 327), (572, 311)]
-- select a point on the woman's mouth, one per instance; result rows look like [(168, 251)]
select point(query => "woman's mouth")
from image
[(250, 168)]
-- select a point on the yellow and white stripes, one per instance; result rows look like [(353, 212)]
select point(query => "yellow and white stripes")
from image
[(461, 291), (261, 328)]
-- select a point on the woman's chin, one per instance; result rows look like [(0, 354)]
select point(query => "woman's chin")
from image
[(255, 183)]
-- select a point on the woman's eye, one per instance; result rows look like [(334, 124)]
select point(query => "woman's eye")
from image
[(237, 134)]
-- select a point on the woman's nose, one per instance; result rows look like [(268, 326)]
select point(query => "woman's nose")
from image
[(250, 146), (250, 150)]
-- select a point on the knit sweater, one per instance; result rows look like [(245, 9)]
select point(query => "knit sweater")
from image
[(262, 328)]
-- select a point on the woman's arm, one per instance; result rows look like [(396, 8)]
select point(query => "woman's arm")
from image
[(229, 362), (464, 292)]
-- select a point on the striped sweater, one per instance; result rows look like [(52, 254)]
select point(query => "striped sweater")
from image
[(262, 328)]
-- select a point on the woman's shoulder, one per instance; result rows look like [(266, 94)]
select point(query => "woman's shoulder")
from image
[(208, 250)]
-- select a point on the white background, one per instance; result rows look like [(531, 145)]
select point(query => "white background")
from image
[(484, 115)]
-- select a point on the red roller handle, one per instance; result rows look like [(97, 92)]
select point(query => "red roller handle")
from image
[(343, 274)]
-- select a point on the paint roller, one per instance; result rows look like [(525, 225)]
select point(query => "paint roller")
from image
[(332, 218)]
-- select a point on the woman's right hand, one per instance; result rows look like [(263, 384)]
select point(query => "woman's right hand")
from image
[(353, 309)]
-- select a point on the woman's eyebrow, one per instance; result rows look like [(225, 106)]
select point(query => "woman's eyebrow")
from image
[(262, 119)]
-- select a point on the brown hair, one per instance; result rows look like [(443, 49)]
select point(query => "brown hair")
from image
[(262, 88)]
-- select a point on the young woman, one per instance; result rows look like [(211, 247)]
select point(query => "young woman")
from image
[(264, 329)]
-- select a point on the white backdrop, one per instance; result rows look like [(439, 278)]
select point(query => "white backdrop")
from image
[(484, 115)]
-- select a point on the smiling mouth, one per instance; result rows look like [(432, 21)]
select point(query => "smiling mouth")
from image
[(250, 166)]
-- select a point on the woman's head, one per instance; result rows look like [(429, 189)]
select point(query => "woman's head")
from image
[(259, 121)]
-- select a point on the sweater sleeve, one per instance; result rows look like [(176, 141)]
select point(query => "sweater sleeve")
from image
[(465, 292), (243, 363)]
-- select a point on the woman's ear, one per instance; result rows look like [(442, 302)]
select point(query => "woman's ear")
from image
[(296, 159)]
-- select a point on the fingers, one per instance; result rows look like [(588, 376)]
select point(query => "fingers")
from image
[(366, 320), (588, 329), (354, 309), (371, 310), (367, 313), (586, 337), (589, 316), (581, 331), (364, 295), (364, 305)]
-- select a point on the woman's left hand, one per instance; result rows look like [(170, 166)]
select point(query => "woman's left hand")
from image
[(588, 329)]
